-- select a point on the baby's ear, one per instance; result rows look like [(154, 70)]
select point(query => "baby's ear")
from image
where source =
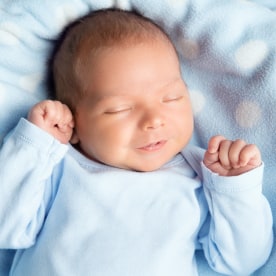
[(74, 138)]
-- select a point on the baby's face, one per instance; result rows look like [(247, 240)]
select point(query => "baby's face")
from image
[(137, 113)]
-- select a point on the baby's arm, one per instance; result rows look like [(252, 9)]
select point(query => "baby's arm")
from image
[(238, 235), (231, 158), (28, 157), (54, 118)]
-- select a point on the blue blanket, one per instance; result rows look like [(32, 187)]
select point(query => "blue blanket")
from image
[(228, 57)]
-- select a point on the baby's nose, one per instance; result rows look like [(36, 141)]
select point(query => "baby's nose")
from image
[(152, 119)]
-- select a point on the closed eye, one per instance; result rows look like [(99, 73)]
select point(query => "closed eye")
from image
[(118, 110), (172, 98)]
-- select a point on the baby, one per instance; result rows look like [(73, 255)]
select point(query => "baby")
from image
[(127, 196)]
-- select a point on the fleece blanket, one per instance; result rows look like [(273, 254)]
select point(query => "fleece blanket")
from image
[(227, 50)]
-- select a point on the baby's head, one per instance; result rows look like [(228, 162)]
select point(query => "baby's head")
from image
[(120, 75)]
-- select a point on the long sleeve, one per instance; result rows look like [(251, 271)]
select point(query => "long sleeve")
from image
[(237, 236), (238, 239), (27, 157)]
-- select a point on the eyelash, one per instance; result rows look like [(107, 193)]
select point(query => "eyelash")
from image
[(165, 100), (172, 99), (110, 112)]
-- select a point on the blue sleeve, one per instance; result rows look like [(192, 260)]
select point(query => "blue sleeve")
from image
[(239, 236), (27, 157)]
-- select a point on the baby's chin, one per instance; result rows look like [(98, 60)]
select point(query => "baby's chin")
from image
[(151, 164), (145, 166)]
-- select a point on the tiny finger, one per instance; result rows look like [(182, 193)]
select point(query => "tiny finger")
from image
[(214, 143), (234, 152), (224, 153), (250, 155), (210, 158)]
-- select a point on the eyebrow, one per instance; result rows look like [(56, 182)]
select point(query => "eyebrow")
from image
[(101, 97), (104, 97), (174, 81)]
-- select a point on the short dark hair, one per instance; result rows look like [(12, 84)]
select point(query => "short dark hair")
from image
[(84, 38)]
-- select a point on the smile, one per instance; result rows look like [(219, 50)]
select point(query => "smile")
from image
[(153, 146)]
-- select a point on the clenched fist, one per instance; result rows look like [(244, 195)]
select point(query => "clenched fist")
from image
[(230, 158), (53, 117)]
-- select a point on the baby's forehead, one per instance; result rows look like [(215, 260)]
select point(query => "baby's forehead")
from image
[(91, 36)]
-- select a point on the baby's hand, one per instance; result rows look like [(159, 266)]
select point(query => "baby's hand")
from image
[(230, 158), (53, 117)]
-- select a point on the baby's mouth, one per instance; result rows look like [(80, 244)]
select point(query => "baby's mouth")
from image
[(153, 146)]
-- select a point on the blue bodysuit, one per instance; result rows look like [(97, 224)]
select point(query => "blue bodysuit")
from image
[(68, 215)]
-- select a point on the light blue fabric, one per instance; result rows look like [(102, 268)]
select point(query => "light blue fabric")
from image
[(228, 56), (68, 215)]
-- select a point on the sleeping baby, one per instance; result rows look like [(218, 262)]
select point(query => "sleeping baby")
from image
[(103, 180)]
